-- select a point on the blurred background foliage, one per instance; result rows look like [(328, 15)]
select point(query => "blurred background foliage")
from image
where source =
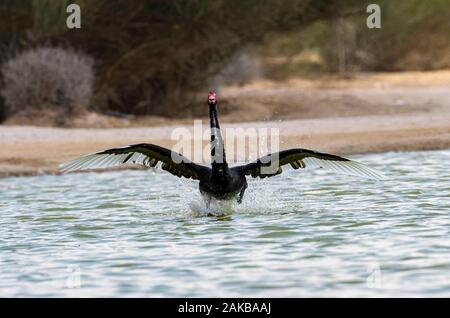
[(415, 35), (154, 57)]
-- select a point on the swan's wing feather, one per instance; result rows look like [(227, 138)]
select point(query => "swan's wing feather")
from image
[(271, 164), (142, 154)]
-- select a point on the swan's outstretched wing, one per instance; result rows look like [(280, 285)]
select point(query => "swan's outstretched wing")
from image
[(144, 154), (271, 164)]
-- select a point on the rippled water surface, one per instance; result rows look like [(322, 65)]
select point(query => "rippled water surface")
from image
[(304, 233)]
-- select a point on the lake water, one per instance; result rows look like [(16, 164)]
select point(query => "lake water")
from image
[(304, 233)]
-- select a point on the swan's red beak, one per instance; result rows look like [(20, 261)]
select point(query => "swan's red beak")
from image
[(212, 98)]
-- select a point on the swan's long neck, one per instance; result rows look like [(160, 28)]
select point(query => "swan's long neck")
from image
[(218, 157)]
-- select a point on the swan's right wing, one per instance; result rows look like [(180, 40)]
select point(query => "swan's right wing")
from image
[(271, 164), (143, 154)]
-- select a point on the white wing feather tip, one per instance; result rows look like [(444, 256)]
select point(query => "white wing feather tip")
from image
[(346, 167), (91, 161)]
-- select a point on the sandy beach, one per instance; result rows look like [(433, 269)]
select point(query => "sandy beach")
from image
[(378, 115)]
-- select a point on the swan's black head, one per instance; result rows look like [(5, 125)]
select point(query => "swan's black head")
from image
[(212, 98)]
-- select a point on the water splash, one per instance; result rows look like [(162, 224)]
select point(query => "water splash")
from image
[(261, 197), (198, 207)]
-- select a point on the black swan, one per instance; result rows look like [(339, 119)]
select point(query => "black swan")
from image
[(220, 181)]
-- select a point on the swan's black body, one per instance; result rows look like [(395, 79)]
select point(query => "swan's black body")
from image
[(218, 181)]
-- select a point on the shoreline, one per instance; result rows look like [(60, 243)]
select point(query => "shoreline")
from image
[(28, 150)]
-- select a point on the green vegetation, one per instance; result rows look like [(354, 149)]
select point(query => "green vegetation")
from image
[(414, 36), (153, 57), (152, 54)]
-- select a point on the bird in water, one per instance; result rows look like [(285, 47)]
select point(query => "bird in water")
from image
[(218, 181)]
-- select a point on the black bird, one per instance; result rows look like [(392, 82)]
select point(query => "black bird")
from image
[(220, 181)]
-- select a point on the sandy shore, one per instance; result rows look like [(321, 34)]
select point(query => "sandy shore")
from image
[(342, 120), (37, 150)]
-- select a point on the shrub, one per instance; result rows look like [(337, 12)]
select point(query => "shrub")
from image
[(47, 76)]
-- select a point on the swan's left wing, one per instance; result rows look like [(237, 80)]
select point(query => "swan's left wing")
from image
[(271, 164), (143, 154)]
